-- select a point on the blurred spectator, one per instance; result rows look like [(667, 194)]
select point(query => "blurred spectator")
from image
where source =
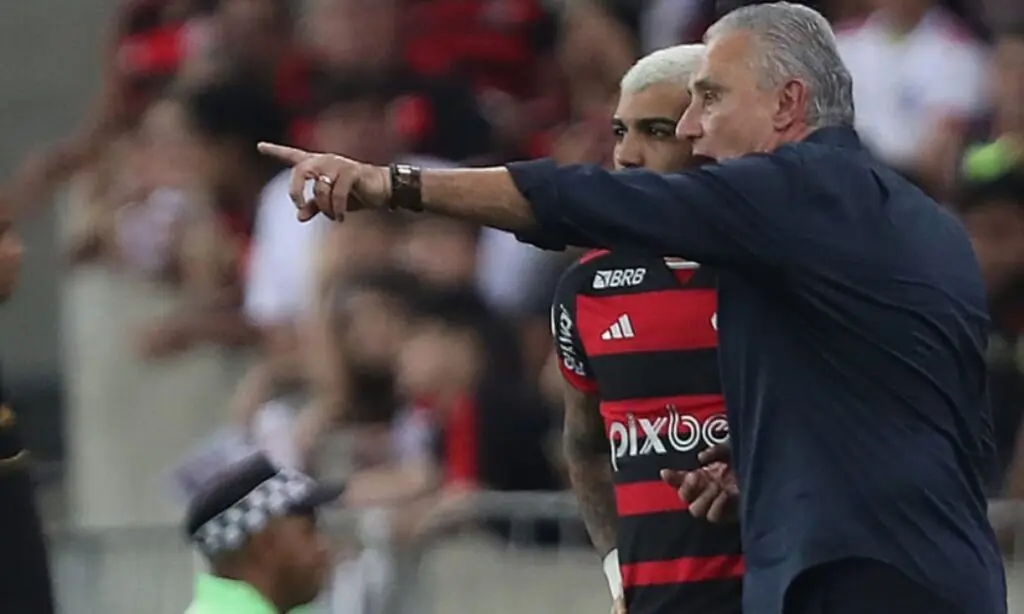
[(353, 35), (368, 241), (224, 120), (349, 114), (353, 259), (598, 42), (442, 252), (455, 364), (255, 34), (356, 44), (139, 202), (483, 417), (916, 71), (258, 38), (1008, 84), (366, 114), (503, 48), (517, 281), (500, 45), (844, 11), (595, 50), (352, 113), (148, 44), (155, 40), (993, 212), (664, 23), (991, 141), (1002, 13), (352, 343), (998, 140), (486, 414)]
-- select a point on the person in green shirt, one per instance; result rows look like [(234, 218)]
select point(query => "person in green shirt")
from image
[(256, 525)]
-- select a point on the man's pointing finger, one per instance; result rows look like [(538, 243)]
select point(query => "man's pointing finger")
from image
[(290, 155)]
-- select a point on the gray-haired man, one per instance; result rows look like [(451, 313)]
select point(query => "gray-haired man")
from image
[(851, 321)]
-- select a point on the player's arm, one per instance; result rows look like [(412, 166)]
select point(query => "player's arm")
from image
[(590, 473), (584, 441), (741, 212)]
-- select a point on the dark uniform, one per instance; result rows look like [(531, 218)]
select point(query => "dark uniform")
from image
[(640, 333), (25, 586)]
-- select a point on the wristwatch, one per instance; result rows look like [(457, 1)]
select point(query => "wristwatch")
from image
[(406, 187)]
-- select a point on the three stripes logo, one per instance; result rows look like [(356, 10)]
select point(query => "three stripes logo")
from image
[(622, 328)]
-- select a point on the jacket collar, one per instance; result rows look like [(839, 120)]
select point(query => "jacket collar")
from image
[(838, 136)]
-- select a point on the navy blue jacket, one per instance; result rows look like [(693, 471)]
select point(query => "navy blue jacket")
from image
[(852, 327)]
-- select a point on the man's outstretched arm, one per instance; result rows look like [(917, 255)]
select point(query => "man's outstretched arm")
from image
[(730, 213), (743, 211)]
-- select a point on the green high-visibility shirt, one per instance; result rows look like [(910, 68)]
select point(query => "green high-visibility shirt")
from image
[(215, 595)]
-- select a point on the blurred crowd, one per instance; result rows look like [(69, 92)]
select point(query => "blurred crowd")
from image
[(428, 339)]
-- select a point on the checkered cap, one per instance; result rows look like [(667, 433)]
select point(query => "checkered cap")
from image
[(244, 501)]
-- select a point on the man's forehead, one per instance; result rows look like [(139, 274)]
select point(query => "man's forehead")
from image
[(724, 56), (658, 101)]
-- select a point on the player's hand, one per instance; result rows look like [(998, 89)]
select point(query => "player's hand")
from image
[(339, 184), (619, 606)]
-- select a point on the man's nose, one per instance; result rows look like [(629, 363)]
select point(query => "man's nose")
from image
[(688, 127), (628, 154)]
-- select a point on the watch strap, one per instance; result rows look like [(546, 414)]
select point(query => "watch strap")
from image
[(406, 187)]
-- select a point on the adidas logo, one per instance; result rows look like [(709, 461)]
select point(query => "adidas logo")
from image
[(621, 329)]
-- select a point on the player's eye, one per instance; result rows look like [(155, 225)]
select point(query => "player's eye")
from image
[(709, 96), (662, 132), (619, 132)]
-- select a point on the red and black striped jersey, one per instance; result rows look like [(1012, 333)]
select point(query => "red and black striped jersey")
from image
[(640, 332)]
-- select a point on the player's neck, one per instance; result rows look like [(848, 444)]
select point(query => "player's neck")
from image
[(262, 583)]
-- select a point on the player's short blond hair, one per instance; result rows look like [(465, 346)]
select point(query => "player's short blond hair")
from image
[(670, 65)]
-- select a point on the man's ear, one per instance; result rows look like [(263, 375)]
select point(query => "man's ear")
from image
[(263, 545), (792, 105)]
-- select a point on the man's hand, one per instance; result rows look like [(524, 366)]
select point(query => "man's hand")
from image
[(711, 490), (339, 184)]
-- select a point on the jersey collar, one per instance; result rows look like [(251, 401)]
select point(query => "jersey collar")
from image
[(676, 263)]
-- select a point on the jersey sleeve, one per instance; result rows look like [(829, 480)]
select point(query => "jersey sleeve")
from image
[(572, 356)]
